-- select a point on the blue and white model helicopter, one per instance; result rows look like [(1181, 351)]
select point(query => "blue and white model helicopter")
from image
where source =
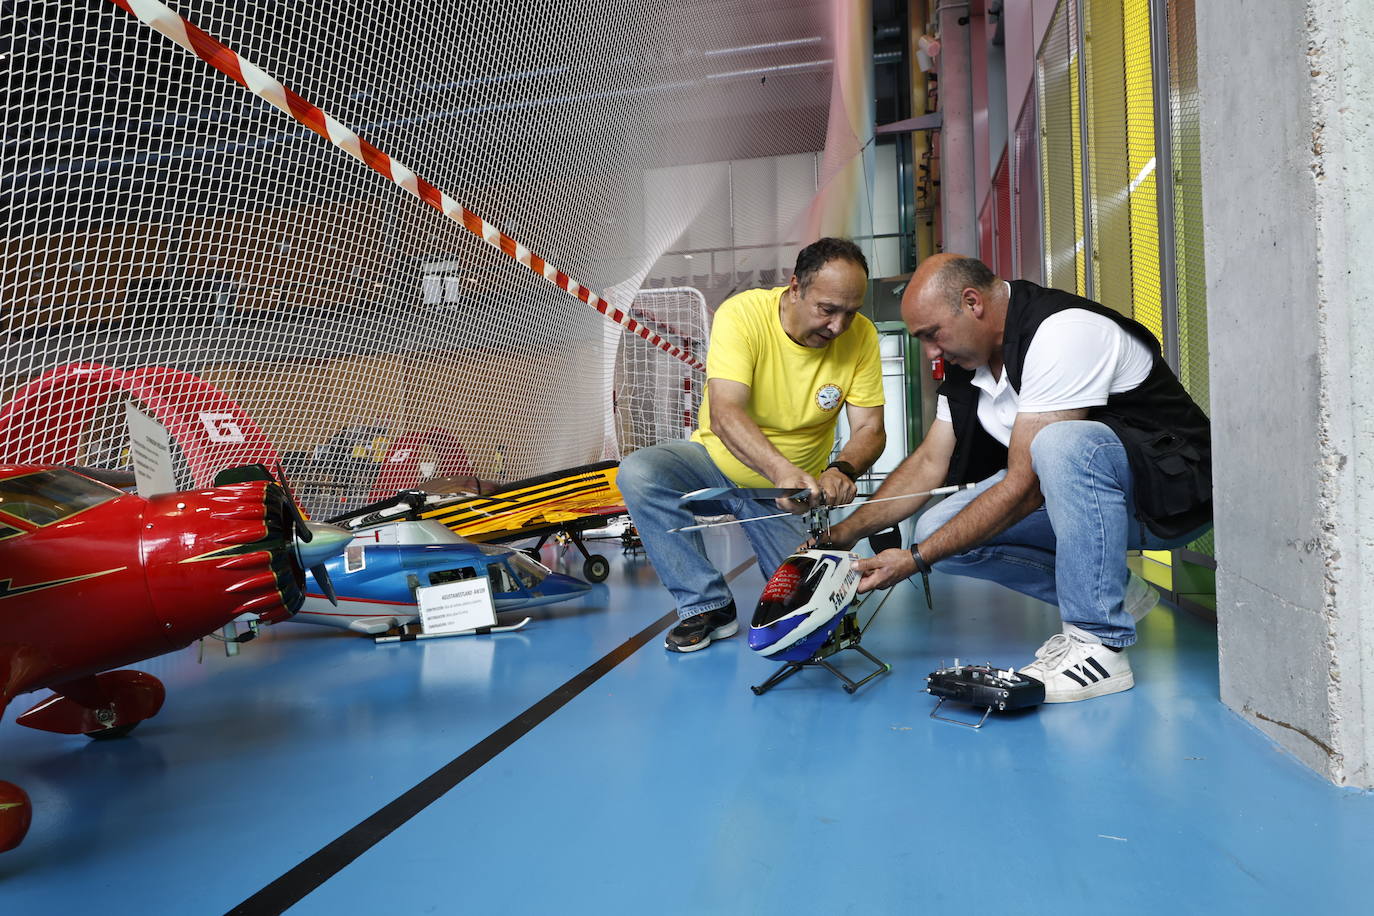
[(377, 575), (809, 607)]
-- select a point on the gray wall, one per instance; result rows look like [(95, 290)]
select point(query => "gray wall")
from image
[(1286, 109)]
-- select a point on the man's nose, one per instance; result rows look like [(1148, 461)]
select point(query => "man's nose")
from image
[(932, 351)]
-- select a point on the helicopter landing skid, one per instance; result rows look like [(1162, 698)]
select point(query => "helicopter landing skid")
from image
[(846, 636)]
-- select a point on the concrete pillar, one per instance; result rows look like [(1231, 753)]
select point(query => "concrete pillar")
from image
[(844, 200), (958, 205), (1287, 100)]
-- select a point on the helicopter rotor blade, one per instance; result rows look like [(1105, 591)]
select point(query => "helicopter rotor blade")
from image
[(938, 491), (711, 493)]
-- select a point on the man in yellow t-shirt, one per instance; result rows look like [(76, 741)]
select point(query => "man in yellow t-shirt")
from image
[(781, 364)]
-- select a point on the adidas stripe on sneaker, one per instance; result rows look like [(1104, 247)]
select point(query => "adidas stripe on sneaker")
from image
[(1074, 666)]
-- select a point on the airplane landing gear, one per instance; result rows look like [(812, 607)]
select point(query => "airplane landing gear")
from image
[(106, 705), (15, 814), (596, 568)]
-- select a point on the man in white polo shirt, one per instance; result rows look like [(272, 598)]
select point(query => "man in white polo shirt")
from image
[(1083, 445)]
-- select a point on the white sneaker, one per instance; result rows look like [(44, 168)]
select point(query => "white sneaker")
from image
[(1141, 597), (1074, 665)]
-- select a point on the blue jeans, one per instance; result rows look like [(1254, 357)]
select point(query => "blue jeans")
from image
[(1072, 550), (651, 480)]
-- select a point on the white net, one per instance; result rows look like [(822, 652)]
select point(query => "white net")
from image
[(657, 396), (175, 241)]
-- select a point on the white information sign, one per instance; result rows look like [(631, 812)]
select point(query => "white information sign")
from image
[(456, 606), (151, 449)]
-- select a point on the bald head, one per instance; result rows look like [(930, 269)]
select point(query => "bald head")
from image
[(956, 306), (942, 279)]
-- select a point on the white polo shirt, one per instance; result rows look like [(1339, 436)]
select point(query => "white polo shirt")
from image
[(1076, 359)]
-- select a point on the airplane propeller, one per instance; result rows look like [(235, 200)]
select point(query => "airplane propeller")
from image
[(315, 541)]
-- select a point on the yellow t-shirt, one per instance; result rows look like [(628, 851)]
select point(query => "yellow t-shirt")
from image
[(797, 391)]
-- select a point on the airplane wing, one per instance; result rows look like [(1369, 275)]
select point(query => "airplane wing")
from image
[(528, 508)]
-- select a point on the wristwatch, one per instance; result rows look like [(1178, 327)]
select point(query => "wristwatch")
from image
[(921, 565), (845, 468)]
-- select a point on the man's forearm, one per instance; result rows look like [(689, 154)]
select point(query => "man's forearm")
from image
[(747, 442), (994, 510), (913, 475), (863, 448)]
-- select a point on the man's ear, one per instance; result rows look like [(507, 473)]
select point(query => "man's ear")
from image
[(973, 299)]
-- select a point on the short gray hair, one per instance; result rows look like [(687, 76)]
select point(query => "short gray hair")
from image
[(961, 273)]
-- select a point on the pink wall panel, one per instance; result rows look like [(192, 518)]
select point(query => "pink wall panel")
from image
[(1024, 26), (987, 242), (978, 47), (1019, 33), (1006, 232)]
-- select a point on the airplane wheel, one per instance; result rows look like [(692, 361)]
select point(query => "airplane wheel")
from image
[(596, 569), (105, 734), (16, 813)]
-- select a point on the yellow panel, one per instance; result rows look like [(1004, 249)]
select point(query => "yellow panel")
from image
[(1076, 133), (1107, 165), (1155, 567), (1146, 284)]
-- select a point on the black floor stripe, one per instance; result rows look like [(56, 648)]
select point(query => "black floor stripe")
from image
[(292, 887)]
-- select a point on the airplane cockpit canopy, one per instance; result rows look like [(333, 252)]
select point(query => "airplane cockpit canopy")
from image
[(530, 571), (48, 496)]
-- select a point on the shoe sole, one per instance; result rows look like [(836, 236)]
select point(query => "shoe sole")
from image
[(725, 632), (1099, 689)]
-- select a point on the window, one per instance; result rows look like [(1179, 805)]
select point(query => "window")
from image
[(452, 575), (45, 497)]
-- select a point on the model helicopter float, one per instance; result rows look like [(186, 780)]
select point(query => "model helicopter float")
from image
[(93, 579), (378, 573)]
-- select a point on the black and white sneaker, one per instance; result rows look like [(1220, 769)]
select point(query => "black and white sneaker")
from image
[(696, 632), (1074, 665)]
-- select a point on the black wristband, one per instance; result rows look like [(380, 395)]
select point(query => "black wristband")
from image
[(921, 565), (845, 468)]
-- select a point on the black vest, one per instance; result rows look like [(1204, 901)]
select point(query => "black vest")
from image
[(1168, 438)]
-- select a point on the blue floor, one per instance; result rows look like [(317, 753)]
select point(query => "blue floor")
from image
[(666, 786)]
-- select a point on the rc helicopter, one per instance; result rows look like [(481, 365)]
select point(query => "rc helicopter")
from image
[(380, 570), (808, 611)]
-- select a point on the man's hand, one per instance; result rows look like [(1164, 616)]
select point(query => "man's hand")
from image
[(886, 569), (797, 479), (836, 537), (837, 486)]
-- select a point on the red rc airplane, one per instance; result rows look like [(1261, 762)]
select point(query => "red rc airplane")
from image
[(93, 578)]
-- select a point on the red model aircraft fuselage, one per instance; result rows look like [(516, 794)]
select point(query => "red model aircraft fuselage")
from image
[(92, 578)]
